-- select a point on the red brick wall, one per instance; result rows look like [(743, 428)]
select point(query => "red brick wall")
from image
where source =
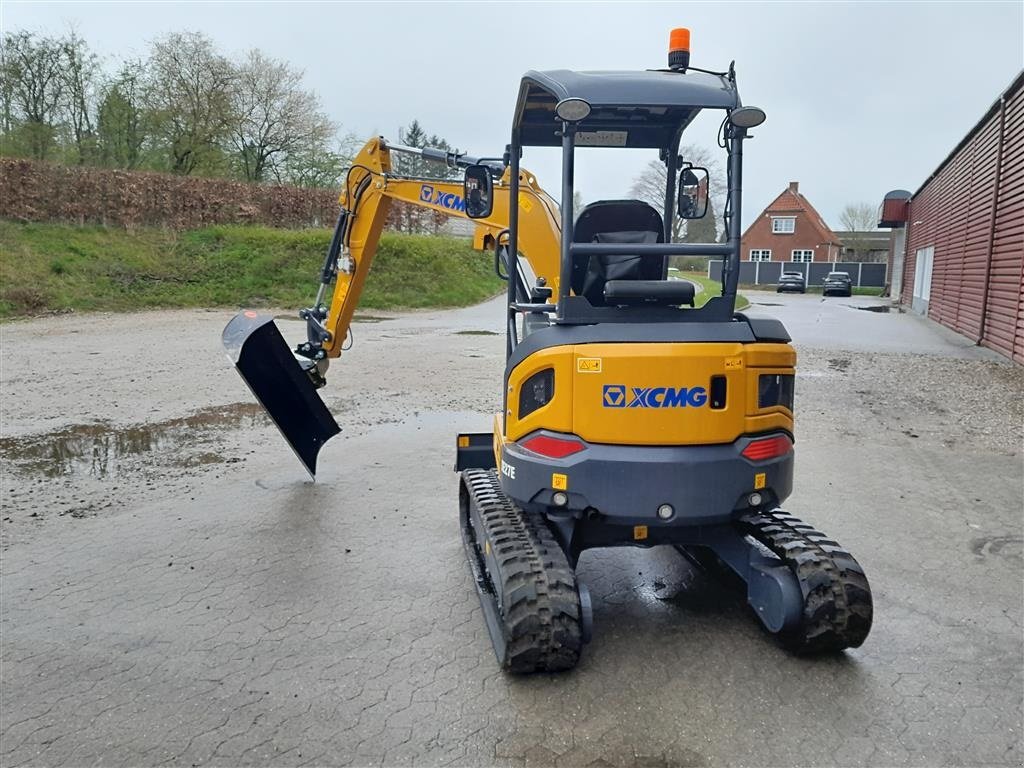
[(806, 236)]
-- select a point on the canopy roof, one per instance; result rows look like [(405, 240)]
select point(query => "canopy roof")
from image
[(628, 109)]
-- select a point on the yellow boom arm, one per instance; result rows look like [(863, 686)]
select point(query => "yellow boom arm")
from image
[(369, 190)]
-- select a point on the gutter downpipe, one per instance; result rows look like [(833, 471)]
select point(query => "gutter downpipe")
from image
[(992, 229)]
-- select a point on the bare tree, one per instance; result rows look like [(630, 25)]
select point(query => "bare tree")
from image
[(33, 75), (858, 218), (80, 73), (189, 97), (274, 115), (649, 186), (185, 108), (7, 121)]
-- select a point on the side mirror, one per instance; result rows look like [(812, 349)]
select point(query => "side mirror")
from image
[(478, 191), (693, 193)]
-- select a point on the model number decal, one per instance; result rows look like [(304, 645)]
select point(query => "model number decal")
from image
[(621, 396), (448, 200), (508, 470)]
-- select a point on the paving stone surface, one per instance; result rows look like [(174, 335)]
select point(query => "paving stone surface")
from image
[(226, 611)]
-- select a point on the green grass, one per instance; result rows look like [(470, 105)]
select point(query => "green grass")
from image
[(55, 267), (711, 288)]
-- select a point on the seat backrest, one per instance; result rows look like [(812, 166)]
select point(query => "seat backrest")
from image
[(615, 221)]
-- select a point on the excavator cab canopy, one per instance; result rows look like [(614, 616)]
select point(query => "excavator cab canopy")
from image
[(643, 110), (627, 109)]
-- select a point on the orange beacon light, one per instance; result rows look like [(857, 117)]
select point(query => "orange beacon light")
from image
[(679, 49)]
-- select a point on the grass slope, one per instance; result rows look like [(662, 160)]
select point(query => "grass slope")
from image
[(53, 267), (711, 288)]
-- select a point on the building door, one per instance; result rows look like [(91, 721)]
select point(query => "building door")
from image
[(923, 279)]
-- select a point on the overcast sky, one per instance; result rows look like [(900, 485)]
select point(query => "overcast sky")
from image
[(861, 97)]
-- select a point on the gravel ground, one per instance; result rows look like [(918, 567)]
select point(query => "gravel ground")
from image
[(175, 592), (117, 423), (932, 399), (145, 405)]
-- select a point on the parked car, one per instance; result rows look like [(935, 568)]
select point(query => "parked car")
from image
[(838, 283), (792, 281)]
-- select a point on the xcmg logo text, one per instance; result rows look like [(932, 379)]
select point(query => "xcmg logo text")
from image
[(448, 200), (621, 396)]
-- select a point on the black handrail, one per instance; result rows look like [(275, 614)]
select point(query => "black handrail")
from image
[(650, 249)]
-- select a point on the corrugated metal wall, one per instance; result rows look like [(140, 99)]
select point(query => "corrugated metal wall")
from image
[(972, 212), (1004, 323)]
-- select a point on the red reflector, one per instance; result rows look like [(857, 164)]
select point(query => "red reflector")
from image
[(769, 448), (553, 447)]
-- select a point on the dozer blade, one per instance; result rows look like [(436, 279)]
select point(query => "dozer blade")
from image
[(268, 367)]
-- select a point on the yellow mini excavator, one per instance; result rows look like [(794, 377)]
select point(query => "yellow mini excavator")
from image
[(630, 416)]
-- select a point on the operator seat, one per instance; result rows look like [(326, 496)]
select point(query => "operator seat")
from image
[(621, 221)]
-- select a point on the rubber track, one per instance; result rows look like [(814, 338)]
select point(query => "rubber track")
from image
[(837, 609), (535, 588)]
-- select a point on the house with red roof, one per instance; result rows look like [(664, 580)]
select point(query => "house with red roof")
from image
[(790, 230)]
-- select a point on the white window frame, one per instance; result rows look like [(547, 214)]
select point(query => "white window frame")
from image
[(777, 225), (760, 254), (803, 252)]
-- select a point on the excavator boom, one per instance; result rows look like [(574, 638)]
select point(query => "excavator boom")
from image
[(285, 380)]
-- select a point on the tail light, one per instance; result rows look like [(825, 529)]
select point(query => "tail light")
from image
[(767, 448), (553, 447)]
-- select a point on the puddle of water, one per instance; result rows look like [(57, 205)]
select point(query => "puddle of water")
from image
[(98, 450), (477, 333), (766, 304), (883, 308), (1010, 547), (357, 318)]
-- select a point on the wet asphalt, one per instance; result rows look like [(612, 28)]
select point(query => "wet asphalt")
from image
[(876, 325), (176, 592)]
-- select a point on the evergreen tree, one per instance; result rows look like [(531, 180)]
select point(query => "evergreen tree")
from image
[(411, 218), (702, 230), (119, 122)]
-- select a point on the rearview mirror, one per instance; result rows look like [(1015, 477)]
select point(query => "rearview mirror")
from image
[(693, 193), (478, 191)]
